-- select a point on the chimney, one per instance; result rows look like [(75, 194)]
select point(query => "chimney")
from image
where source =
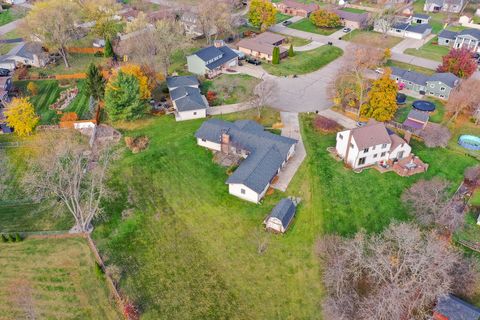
[(218, 43), (408, 136), (225, 144)]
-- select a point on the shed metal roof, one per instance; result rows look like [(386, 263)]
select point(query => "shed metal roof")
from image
[(284, 211)]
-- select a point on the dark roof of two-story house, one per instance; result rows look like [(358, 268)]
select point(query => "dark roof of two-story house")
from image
[(214, 56), (421, 16), (267, 151), (185, 93), (441, 3), (452, 35), (447, 78)]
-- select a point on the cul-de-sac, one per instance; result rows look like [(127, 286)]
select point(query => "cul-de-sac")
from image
[(240, 159)]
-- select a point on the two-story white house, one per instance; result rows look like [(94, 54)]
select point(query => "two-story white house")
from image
[(369, 145)]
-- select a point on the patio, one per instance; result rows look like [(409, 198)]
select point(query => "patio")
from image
[(405, 167)]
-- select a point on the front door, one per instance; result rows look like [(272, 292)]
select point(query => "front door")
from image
[(400, 155)]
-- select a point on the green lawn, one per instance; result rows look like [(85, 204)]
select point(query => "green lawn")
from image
[(231, 89), (56, 277), (280, 17), (371, 38), (353, 10), (296, 41), (49, 91), (429, 50), (411, 67), (307, 26), (304, 62), (10, 14), (475, 199), (436, 117), (78, 63)]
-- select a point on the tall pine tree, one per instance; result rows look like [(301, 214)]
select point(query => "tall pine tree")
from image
[(276, 56), (382, 99), (95, 83), (108, 50), (291, 53)]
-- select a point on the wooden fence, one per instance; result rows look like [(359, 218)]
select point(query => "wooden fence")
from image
[(84, 50)]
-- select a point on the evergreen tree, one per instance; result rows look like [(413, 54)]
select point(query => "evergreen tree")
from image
[(95, 83), (291, 53), (108, 50), (123, 99), (276, 56)]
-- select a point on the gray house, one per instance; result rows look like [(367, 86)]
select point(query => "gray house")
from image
[(437, 85), (468, 38), (211, 61), (454, 6), (420, 18), (403, 27), (186, 98)]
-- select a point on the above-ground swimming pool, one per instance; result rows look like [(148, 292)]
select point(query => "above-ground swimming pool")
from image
[(423, 105), (469, 142)]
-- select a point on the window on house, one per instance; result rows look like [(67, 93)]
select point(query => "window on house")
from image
[(431, 93), (340, 137), (194, 113), (409, 82), (442, 96), (375, 155), (365, 150), (432, 85), (384, 146), (242, 191), (361, 161), (204, 140), (447, 41), (373, 148), (442, 89), (383, 154), (351, 145)]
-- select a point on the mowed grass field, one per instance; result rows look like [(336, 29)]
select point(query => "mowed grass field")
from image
[(304, 62), (189, 250), (48, 93), (53, 277)]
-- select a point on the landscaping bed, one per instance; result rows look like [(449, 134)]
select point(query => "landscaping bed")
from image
[(56, 278), (230, 89), (304, 62), (307, 26)]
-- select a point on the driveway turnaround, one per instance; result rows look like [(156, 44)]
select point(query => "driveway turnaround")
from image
[(291, 129)]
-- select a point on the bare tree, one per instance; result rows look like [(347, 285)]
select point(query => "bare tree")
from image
[(384, 19), (472, 175), (139, 23), (72, 174), (429, 202), (464, 99), (214, 18), (435, 135), (395, 275), (263, 95)]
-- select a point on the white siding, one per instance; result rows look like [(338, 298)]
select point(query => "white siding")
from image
[(189, 115), (405, 148), (274, 224), (209, 145), (247, 194), (372, 156)]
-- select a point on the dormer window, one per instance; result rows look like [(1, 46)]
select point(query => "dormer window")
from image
[(442, 89), (384, 146), (365, 150)]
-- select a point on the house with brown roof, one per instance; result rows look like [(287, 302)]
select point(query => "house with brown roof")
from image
[(295, 8), (261, 46), (352, 20), (370, 145)]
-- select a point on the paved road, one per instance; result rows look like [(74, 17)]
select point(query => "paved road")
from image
[(9, 26), (291, 129)]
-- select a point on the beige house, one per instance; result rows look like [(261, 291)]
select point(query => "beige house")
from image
[(261, 46), (294, 8)]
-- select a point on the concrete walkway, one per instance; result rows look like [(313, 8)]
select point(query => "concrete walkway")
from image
[(227, 108), (342, 120), (291, 129), (9, 26), (408, 43), (312, 45)]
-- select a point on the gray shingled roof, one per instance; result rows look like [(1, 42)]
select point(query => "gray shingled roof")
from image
[(418, 115), (352, 16), (267, 151), (284, 211), (418, 28), (456, 309), (421, 16), (412, 76), (447, 34), (30, 49), (228, 55), (471, 32), (182, 81), (188, 98), (447, 78), (208, 53)]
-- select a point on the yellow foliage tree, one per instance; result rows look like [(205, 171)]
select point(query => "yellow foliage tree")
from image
[(32, 88), (262, 14), (143, 80), (21, 116), (387, 53), (382, 99)]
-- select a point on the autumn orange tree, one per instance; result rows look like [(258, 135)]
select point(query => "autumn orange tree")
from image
[(261, 14), (325, 19), (382, 99), (144, 82), (21, 116)]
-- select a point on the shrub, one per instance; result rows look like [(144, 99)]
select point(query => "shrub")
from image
[(435, 135), (98, 54), (4, 238), (18, 237), (11, 238), (98, 271), (32, 87), (130, 311), (276, 55), (324, 124), (291, 53), (137, 144), (211, 97)]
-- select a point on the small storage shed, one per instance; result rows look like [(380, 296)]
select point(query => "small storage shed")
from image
[(281, 216), (417, 120)]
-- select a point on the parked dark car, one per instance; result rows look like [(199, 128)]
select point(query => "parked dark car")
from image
[(4, 72), (287, 22), (254, 61), (330, 43)]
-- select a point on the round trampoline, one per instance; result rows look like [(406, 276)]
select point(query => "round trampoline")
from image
[(423, 105), (401, 98)]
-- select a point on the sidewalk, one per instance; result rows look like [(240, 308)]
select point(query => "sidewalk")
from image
[(228, 108), (312, 45), (9, 26), (291, 129)]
